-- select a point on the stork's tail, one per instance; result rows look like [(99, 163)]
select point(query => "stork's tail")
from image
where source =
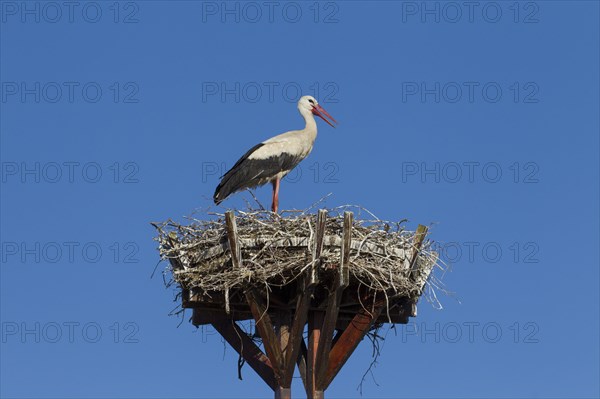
[(237, 178), (230, 183), (221, 193)]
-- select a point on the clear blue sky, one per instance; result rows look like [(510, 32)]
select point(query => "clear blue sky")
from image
[(481, 119)]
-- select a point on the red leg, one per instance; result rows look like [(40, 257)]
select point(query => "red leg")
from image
[(275, 203)]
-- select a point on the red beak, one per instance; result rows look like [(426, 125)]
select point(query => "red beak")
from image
[(320, 112)]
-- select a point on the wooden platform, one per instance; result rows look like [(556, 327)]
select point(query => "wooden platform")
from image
[(338, 315)]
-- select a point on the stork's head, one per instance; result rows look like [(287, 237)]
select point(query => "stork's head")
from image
[(309, 103)]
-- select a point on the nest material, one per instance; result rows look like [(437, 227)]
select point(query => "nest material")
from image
[(276, 250)]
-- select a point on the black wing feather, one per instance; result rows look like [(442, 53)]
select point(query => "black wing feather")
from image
[(247, 173)]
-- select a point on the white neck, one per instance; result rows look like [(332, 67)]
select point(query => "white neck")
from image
[(311, 124)]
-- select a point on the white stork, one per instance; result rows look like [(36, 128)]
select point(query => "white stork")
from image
[(274, 158)]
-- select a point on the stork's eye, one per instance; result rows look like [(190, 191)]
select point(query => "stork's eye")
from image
[(311, 101)]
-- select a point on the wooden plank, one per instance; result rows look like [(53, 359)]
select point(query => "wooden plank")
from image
[(257, 243), (296, 331), (232, 238), (243, 345), (266, 331), (234, 248), (205, 313), (345, 250), (349, 340), (202, 316), (420, 235), (318, 246)]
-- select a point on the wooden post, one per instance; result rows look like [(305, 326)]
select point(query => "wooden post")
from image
[(295, 340), (315, 323), (282, 327), (259, 312), (315, 318), (232, 239), (345, 250), (318, 246), (418, 241), (234, 248), (333, 305)]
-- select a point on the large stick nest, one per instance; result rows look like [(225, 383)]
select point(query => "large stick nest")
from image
[(276, 250)]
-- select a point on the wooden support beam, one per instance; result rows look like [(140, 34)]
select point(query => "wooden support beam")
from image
[(301, 362), (315, 323), (349, 340), (242, 344), (282, 327), (333, 304), (266, 331), (325, 337), (296, 331)]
